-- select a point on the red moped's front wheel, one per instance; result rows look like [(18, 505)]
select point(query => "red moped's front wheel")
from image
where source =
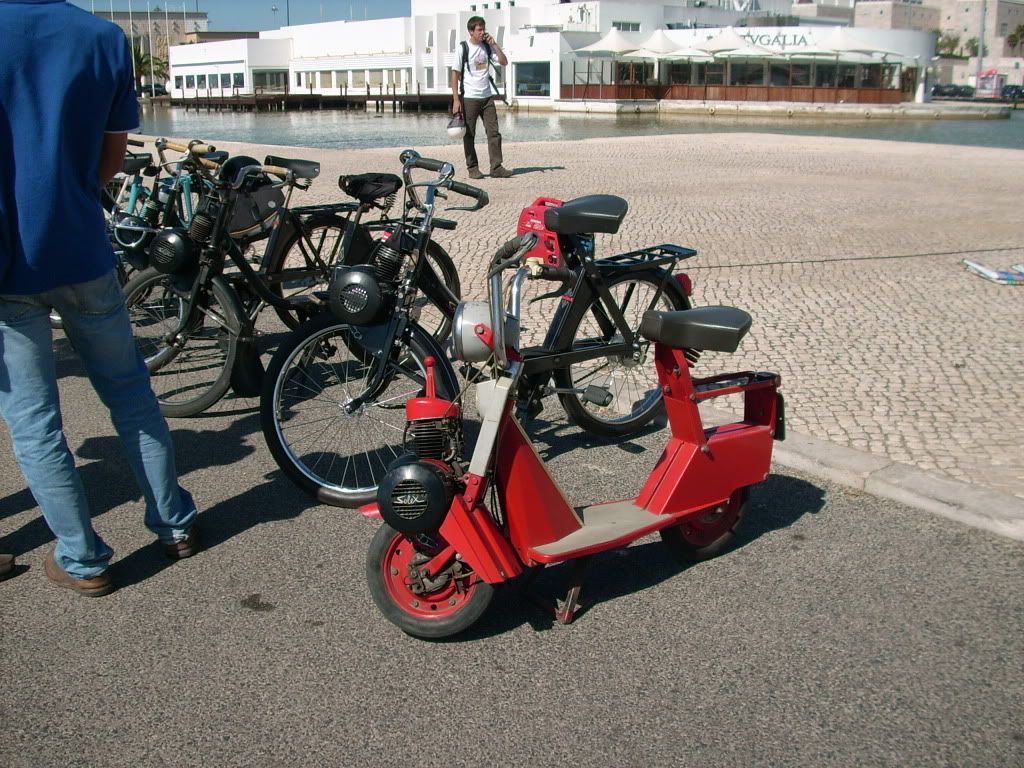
[(705, 535), (422, 606)]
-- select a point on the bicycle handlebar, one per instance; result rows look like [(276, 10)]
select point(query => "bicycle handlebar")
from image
[(136, 143)]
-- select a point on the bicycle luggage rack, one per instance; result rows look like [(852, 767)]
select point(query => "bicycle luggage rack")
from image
[(653, 256), (759, 390)]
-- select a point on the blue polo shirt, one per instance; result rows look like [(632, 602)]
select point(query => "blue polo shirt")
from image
[(65, 80)]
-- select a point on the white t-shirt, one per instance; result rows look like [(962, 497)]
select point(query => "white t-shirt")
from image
[(474, 77)]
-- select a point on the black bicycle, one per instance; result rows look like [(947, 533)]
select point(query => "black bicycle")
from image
[(341, 380), (194, 310), (332, 405)]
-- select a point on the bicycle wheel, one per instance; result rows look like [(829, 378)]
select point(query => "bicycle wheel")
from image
[(192, 375), (431, 314), (305, 262), (336, 456), (631, 383)]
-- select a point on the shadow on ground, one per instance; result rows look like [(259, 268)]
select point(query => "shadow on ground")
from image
[(775, 504)]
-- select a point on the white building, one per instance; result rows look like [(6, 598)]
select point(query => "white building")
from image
[(414, 54)]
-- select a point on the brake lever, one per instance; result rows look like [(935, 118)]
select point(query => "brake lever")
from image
[(479, 204)]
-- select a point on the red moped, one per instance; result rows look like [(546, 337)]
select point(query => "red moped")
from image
[(455, 528)]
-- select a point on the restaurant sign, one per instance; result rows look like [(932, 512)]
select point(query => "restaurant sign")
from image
[(778, 40)]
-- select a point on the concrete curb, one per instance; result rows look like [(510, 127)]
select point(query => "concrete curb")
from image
[(973, 505)]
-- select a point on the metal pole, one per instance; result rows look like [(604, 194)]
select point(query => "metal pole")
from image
[(288, 13), (981, 49), (149, 34)]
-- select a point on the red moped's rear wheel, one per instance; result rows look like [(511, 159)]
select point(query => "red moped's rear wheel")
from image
[(431, 608), (707, 534)]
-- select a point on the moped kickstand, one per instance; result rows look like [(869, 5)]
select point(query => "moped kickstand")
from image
[(563, 611)]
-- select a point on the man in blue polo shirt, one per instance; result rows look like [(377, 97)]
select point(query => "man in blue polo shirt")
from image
[(67, 102)]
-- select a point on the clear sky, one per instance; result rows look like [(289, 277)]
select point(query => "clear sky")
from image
[(248, 15)]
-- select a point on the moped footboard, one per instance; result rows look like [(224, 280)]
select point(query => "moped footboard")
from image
[(700, 467)]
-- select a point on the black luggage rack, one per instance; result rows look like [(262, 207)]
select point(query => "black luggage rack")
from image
[(653, 256)]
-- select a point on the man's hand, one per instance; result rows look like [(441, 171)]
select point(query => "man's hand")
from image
[(456, 105)]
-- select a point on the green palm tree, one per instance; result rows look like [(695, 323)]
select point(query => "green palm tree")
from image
[(142, 62)]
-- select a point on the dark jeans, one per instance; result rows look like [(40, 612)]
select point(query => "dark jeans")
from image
[(484, 109)]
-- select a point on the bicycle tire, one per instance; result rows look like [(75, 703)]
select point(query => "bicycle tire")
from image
[(189, 379), (336, 457), (431, 317), (636, 395)]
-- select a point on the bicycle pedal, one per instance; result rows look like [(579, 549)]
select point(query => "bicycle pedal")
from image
[(597, 396)]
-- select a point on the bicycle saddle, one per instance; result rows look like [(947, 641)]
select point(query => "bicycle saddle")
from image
[(136, 162), (589, 214), (716, 329), (303, 169), (367, 187)]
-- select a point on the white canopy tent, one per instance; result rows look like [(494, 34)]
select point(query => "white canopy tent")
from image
[(614, 43)]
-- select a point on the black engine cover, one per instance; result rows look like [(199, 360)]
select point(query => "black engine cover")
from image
[(415, 497)]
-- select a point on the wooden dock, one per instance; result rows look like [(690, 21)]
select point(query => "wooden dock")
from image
[(281, 101)]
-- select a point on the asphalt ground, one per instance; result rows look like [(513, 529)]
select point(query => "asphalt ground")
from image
[(842, 630)]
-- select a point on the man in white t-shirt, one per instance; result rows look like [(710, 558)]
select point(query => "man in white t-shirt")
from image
[(473, 95)]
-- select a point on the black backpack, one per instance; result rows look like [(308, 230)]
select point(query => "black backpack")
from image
[(490, 66)]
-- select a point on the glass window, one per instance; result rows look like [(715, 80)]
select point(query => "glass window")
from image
[(825, 76), (225, 80), (679, 73), (325, 80), (190, 81), (871, 76), (800, 74), (200, 81), (178, 81), (533, 78), (711, 74), (746, 73), (778, 74), (298, 78), (239, 80), (212, 80), (626, 26)]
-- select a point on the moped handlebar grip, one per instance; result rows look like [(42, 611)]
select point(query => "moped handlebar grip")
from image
[(276, 170), (515, 245), (209, 164), (200, 148), (136, 143), (175, 146), (427, 164), (469, 191)]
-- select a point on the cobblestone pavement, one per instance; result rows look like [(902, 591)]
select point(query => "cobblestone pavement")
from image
[(847, 253)]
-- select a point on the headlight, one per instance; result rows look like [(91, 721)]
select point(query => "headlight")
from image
[(469, 347)]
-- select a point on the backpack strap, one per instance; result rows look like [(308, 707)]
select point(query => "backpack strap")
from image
[(462, 69)]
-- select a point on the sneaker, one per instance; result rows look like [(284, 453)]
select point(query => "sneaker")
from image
[(187, 547), (96, 586), (501, 172), (474, 173), (7, 566)]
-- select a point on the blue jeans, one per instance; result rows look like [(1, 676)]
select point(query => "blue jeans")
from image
[(96, 322)]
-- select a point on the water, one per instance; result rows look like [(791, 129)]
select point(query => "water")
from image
[(338, 129)]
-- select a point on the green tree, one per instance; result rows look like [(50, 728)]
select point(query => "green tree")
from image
[(1013, 40), (971, 46), (1019, 32), (947, 44), (142, 61)]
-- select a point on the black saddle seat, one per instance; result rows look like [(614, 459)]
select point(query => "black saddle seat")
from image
[(136, 162), (367, 187), (304, 169), (716, 329), (588, 214)]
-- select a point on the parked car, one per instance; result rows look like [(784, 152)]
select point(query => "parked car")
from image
[(964, 91), (153, 90), (1013, 92), (944, 90)]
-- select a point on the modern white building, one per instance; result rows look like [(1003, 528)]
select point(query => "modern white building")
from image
[(543, 39)]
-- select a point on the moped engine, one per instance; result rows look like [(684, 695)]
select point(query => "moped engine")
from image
[(415, 496)]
